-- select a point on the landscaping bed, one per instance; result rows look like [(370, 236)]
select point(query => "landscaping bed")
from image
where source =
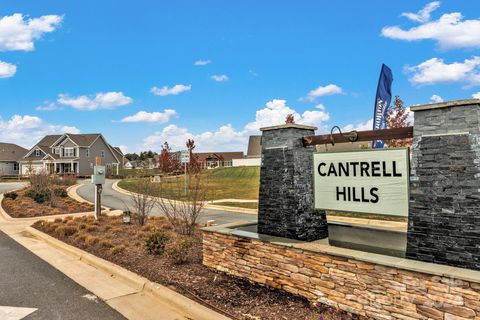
[(24, 205), (158, 253)]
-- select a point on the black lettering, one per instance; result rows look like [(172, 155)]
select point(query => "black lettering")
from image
[(355, 199), (343, 167), (395, 173), (376, 169), (331, 170), (343, 193), (349, 194), (319, 167), (354, 166), (363, 196), (385, 173), (373, 193), (364, 166)]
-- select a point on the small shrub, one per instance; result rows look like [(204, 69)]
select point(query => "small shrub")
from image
[(155, 242), (82, 226), (107, 244), (179, 251), (60, 192), (41, 197), (91, 228), (65, 231), (92, 240), (57, 220), (81, 236), (117, 249), (11, 195), (30, 193), (107, 227)]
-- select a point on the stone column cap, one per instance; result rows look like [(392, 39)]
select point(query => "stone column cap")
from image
[(446, 104), (289, 125)]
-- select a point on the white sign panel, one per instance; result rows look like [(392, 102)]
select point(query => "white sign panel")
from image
[(369, 181), (184, 156)]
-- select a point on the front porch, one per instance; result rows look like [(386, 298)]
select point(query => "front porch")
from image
[(70, 167)]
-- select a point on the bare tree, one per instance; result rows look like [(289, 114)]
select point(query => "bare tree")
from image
[(143, 201), (183, 209)]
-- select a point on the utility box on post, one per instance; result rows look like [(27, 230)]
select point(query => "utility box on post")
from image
[(98, 176)]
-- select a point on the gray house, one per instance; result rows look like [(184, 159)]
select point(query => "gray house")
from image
[(71, 153), (10, 154)]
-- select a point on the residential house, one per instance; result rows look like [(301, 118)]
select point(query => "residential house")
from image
[(210, 160), (72, 154), (9, 155)]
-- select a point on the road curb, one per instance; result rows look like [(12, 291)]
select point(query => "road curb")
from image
[(192, 308)]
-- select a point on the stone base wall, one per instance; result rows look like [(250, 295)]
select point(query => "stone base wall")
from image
[(371, 290)]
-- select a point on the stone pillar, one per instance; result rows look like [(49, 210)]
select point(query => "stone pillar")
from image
[(444, 217), (286, 203)]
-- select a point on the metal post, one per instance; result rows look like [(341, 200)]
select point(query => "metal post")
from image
[(98, 201), (185, 183)]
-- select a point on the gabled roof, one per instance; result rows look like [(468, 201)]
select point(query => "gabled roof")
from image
[(11, 152), (82, 140), (221, 156)]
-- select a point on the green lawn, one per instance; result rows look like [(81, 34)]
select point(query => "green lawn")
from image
[(246, 205), (222, 183)]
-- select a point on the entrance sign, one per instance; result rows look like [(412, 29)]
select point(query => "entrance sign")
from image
[(369, 181)]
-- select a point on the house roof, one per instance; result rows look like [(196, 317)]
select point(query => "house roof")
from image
[(254, 147), (11, 152), (222, 156)]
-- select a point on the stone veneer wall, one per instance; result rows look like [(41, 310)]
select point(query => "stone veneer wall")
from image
[(371, 290), (286, 202), (444, 217)]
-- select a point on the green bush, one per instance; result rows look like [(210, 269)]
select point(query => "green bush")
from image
[(11, 195), (41, 197), (179, 251), (155, 242)]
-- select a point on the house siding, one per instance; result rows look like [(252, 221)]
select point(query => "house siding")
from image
[(86, 163), (7, 168)]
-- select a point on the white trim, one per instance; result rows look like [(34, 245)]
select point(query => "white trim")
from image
[(63, 135), (31, 150)]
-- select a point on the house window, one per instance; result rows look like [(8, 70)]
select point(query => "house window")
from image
[(68, 152), (37, 153), (102, 154), (87, 153), (15, 166), (56, 150)]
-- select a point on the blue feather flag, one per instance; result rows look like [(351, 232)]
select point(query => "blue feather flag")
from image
[(382, 102)]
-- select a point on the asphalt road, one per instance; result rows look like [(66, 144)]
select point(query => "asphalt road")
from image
[(120, 201), (28, 281), (9, 186)]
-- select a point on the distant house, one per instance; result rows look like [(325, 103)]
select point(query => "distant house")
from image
[(210, 160), (71, 153), (254, 153), (10, 154)]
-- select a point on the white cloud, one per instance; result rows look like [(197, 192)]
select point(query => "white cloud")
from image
[(424, 14), (276, 112), (144, 116), (476, 95), (435, 70), (227, 138), (123, 148), (106, 100), (320, 91), (202, 62), (49, 106), (18, 32), (449, 31), (436, 99), (27, 130), (220, 77), (359, 126), (175, 90), (7, 70)]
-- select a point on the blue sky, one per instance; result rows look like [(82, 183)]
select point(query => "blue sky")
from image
[(142, 72)]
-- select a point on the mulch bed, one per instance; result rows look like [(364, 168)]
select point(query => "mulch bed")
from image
[(124, 245), (25, 207)]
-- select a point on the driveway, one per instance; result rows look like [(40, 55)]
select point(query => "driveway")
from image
[(120, 201)]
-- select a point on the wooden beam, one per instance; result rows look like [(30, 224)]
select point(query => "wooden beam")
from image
[(370, 135)]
